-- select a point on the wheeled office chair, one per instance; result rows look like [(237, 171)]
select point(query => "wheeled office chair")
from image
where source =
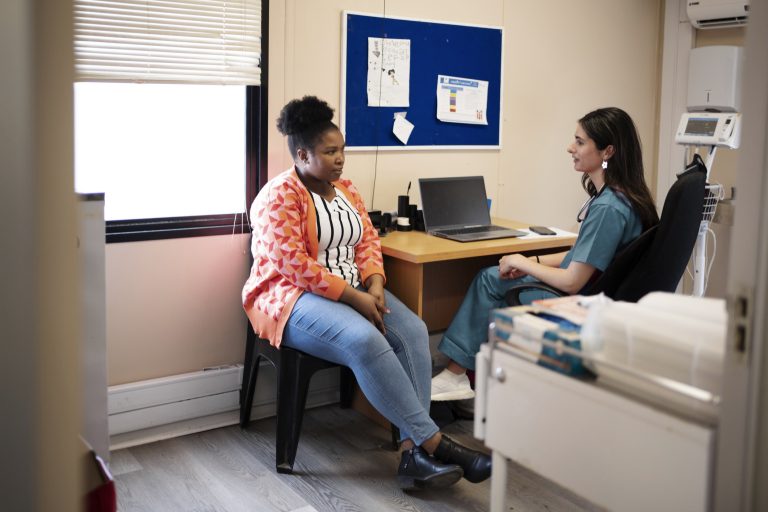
[(656, 260)]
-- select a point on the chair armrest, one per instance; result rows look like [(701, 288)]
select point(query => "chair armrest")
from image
[(512, 297)]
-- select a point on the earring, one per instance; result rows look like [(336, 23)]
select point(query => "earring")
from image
[(605, 164)]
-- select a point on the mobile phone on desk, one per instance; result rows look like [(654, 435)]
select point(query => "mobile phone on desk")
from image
[(542, 230)]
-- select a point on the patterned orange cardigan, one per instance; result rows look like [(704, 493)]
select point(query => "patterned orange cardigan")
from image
[(284, 248)]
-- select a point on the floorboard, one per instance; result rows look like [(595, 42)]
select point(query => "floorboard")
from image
[(344, 462)]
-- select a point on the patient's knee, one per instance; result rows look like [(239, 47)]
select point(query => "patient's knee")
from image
[(369, 348)]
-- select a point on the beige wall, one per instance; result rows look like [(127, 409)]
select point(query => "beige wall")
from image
[(173, 305), (39, 312), (560, 61), (724, 172), (724, 169), (306, 37), (57, 277), (558, 68)]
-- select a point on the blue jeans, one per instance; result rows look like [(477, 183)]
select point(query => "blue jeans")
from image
[(469, 328), (394, 370)]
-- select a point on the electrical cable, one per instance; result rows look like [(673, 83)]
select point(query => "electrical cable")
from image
[(711, 260), (376, 152)]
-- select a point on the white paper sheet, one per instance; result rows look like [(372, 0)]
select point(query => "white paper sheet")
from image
[(389, 72), (462, 100), (402, 128)]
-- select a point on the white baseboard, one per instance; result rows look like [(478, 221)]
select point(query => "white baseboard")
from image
[(148, 411)]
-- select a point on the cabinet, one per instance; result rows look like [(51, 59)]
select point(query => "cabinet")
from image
[(91, 247), (619, 453)]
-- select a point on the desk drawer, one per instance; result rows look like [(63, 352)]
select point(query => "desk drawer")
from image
[(614, 451)]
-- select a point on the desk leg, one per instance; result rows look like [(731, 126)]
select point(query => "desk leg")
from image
[(499, 483)]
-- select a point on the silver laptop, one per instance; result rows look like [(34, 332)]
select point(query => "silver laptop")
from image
[(457, 208)]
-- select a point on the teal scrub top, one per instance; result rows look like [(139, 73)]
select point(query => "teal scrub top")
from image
[(609, 226)]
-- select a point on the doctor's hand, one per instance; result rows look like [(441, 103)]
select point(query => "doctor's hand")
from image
[(510, 266)]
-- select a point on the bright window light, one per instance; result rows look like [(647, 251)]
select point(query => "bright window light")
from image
[(161, 150)]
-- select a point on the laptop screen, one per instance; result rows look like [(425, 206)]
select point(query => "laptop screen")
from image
[(452, 202)]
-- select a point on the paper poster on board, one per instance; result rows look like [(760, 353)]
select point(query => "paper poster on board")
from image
[(389, 72), (402, 128), (462, 100)]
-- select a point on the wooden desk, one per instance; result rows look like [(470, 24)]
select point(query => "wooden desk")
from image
[(431, 275)]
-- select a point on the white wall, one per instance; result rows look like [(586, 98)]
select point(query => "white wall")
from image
[(741, 458)]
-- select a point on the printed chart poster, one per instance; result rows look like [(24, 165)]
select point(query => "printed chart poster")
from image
[(389, 72), (462, 100)]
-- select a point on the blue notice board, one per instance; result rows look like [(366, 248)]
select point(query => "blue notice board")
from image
[(465, 51)]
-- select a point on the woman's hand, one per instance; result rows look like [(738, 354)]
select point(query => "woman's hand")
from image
[(570, 280), (513, 266), (375, 286), (366, 304)]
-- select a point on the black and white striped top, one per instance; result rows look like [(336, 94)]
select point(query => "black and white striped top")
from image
[(339, 230)]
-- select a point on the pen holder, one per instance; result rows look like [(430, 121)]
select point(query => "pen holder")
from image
[(402, 206), (412, 209), (404, 224)]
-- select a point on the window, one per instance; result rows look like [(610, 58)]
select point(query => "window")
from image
[(167, 114), (161, 150)]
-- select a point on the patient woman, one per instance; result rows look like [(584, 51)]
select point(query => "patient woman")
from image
[(317, 285), (606, 151)]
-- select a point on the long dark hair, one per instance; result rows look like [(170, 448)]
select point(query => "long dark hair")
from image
[(304, 121), (613, 126)]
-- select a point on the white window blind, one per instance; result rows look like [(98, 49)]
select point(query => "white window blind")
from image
[(173, 41)]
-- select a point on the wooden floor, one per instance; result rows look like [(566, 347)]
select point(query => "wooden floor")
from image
[(344, 463)]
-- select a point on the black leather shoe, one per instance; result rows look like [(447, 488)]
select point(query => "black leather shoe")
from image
[(418, 470), (476, 465)]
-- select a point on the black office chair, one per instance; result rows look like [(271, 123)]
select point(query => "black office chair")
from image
[(656, 260)]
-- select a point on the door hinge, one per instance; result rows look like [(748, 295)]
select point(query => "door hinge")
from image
[(740, 322)]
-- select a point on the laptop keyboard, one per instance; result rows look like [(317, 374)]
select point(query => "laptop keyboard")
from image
[(473, 229)]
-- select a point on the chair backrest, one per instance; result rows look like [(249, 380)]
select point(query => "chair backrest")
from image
[(656, 260)]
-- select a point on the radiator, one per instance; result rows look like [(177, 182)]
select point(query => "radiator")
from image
[(150, 410)]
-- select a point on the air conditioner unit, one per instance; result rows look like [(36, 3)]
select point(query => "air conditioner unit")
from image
[(718, 13)]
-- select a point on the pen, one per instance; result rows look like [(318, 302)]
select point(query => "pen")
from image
[(408, 192)]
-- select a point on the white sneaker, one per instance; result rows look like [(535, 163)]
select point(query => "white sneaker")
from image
[(447, 385)]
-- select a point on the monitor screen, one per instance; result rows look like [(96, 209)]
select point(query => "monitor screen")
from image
[(454, 201), (701, 126)]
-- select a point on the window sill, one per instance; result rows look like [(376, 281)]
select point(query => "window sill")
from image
[(184, 227)]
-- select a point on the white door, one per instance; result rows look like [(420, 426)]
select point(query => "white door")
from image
[(741, 469)]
